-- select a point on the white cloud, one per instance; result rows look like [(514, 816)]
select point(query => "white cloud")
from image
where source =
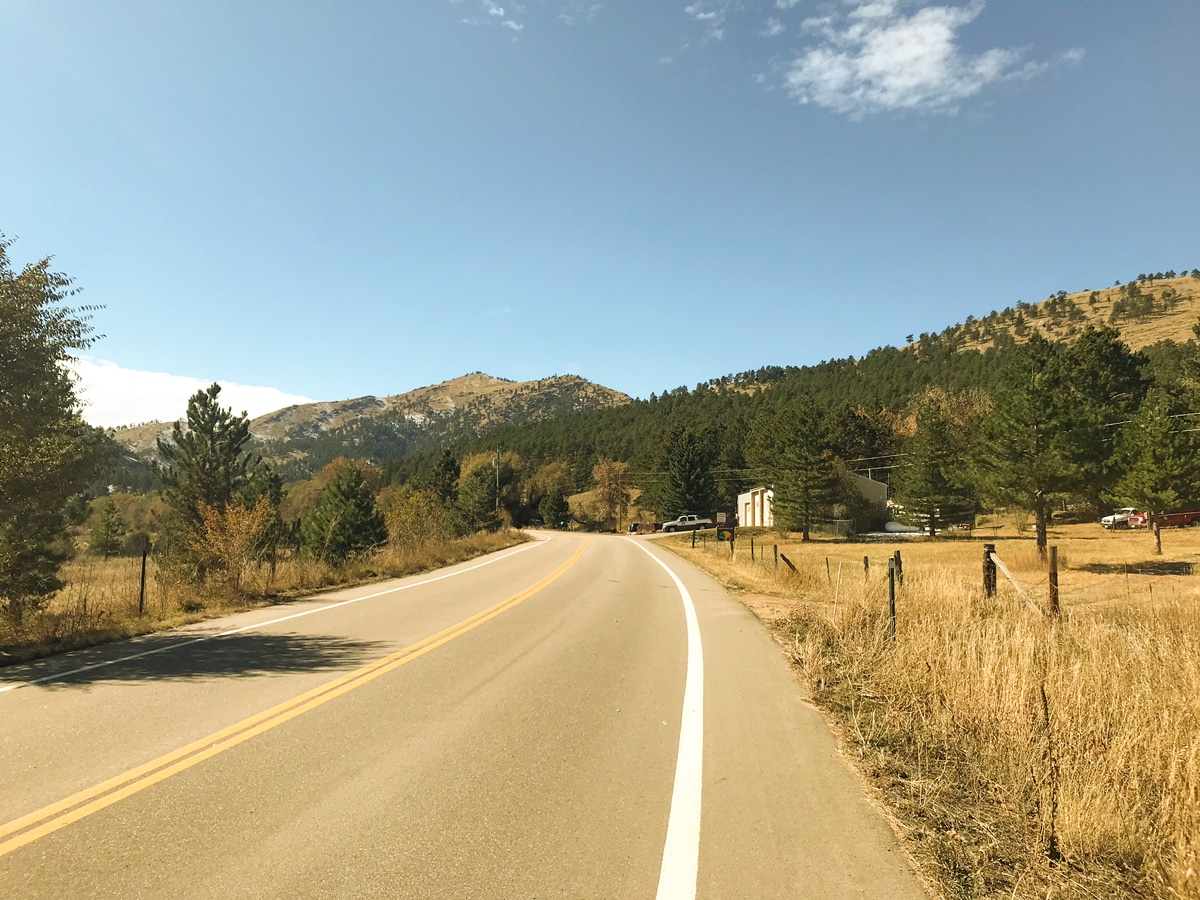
[(514, 26), (772, 28), (665, 60), (876, 58), (115, 396), (712, 15), (786, 4)]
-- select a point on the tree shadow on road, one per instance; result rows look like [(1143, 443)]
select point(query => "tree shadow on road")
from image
[(172, 659)]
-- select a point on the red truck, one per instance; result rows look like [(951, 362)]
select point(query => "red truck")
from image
[(1177, 520)]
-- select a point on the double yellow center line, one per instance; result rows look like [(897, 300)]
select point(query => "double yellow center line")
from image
[(49, 819)]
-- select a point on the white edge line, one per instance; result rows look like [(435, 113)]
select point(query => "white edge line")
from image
[(681, 852), (308, 612)]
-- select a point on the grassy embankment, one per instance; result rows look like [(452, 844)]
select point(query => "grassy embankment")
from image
[(100, 600), (1017, 756)]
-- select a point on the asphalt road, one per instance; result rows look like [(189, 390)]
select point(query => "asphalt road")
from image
[(575, 717)]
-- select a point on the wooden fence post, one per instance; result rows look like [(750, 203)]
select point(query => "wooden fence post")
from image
[(1157, 538), (828, 573), (1054, 581), (751, 548), (142, 589), (693, 538), (899, 568), (892, 593), (989, 570), (866, 567), (775, 547)]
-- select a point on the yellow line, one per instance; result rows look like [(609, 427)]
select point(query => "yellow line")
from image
[(77, 806)]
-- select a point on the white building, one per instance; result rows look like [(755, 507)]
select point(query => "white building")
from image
[(754, 506)]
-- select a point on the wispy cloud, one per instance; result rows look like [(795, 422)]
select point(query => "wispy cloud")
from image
[(772, 28), (712, 15), (115, 396), (490, 12), (514, 15), (877, 58)]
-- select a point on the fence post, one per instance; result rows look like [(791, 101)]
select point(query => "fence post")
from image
[(866, 567), (1157, 538), (1054, 581), (751, 548), (142, 589), (989, 570), (828, 573), (775, 547), (693, 539), (892, 593), (899, 568)]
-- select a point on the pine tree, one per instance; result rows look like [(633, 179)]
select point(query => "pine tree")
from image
[(1038, 442), (688, 486), (928, 483), (786, 448), (1156, 459), (443, 478), (554, 509), (205, 460), (109, 530), (346, 519)]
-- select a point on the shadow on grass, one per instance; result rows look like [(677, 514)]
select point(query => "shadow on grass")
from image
[(168, 658), (1151, 567)]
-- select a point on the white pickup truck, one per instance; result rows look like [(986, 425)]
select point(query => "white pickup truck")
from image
[(688, 523)]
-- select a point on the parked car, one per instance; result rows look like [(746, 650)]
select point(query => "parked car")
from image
[(688, 523), (1127, 517)]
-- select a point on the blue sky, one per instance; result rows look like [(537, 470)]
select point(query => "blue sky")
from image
[(329, 200)]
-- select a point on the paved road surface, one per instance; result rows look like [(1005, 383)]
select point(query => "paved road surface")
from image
[(575, 717)]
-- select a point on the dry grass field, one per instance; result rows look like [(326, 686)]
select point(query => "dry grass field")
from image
[(1018, 756), (100, 600)]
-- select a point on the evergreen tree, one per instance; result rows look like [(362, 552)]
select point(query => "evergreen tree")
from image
[(443, 478), (477, 499), (346, 519), (554, 509), (45, 449), (1037, 443), (786, 449), (1156, 459), (687, 485), (928, 484), (109, 531), (206, 461)]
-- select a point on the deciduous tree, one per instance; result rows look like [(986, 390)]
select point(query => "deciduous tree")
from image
[(45, 454)]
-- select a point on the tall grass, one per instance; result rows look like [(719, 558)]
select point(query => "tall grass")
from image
[(1019, 756), (100, 599)]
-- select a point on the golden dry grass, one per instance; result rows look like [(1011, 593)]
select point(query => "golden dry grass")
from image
[(99, 602), (1019, 756)]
